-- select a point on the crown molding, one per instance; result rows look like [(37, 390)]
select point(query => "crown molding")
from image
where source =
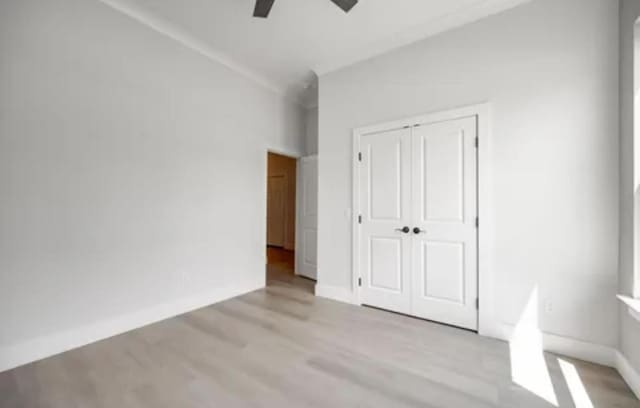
[(462, 16), (181, 36), (375, 48)]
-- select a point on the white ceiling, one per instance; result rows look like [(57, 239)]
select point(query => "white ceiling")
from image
[(302, 38)]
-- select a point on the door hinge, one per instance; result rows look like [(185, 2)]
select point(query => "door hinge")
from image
[(477, 303), (360, 156), (477, 222), (359, 219), (359, 281), (477, 142)]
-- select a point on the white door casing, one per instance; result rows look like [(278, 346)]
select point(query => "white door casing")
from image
[(422, 176), (307, 231)]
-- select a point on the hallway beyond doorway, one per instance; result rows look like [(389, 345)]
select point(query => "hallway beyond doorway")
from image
[(281, 270)]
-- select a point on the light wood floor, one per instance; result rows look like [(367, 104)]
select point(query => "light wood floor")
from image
[(280, 269), (282, 347)]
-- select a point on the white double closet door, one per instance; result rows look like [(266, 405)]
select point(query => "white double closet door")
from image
[(418, 232)]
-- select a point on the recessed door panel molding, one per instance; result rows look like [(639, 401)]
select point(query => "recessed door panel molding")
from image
[(385, 258), (310, 187), (385, 167), (310, 249), (443, 266), (421, 176), (442, 172)]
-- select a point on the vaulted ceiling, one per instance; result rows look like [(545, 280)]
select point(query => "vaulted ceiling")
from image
[(302, 38)]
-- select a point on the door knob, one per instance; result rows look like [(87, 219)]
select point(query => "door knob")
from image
[(406, 230), (417, 230)]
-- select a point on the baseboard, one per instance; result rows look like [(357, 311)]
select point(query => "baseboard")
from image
[(595, 353), (570, 347), (42, 347), (630, 375), (335, 293)]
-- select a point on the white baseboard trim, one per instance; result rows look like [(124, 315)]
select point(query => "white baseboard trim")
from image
[(335, 293), (46, 346), (595, 353), (630, 375), (567, 346)]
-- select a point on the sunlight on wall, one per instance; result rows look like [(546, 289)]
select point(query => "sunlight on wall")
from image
[(576, 387), (528, 367)]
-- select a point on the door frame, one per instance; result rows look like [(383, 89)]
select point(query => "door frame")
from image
[(486, 308)]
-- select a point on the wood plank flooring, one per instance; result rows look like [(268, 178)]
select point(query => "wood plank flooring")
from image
[(280, 269), (282, 347)]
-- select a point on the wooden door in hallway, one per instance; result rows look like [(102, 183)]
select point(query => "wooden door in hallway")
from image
[(276, 192), (281, 201)]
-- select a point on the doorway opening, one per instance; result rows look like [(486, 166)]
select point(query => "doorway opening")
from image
[(282, 180)]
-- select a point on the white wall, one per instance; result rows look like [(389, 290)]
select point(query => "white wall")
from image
[(132, 173), (311, 134), (550, 70), (629, 328)]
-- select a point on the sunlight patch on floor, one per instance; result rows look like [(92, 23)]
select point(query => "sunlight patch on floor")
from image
[(528, 366), (576, 387)]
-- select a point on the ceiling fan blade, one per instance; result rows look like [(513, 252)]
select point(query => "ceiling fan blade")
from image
[(262, 9), (345, 5)]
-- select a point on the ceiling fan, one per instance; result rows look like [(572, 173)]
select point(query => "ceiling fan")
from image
[(263, 7)]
